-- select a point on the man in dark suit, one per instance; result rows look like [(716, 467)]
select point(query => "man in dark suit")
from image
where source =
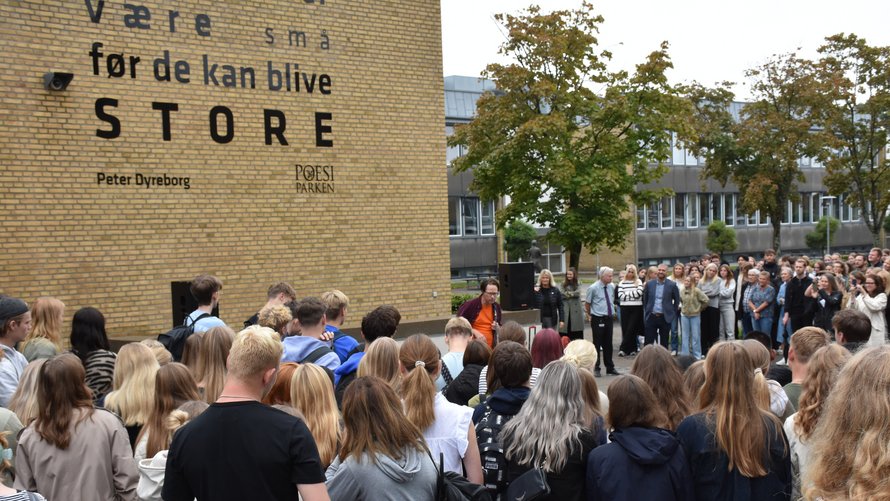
[(661, 305)]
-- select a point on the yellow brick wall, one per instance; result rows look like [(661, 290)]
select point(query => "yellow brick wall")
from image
[(381, 237)]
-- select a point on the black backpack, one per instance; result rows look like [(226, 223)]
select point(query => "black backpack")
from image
[(491, 451), (174, 339)]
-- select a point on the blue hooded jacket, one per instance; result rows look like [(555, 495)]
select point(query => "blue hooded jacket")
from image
[(297, 348), (639, 463)]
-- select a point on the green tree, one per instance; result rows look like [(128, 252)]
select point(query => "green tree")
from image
[(857, 79), (518, 237), (760, 151), (816, 239), (566, 139), (721, 238)]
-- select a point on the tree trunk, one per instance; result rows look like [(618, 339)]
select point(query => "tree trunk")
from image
[(777, 234), (574, 254)]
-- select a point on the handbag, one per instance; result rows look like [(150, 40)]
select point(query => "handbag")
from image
[(529, 486), (452, 487)]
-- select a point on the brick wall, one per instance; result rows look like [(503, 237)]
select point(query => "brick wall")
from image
[(381, 235)]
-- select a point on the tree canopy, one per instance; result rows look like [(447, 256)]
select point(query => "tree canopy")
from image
[(856, 78), (565, 138), (760, 151)]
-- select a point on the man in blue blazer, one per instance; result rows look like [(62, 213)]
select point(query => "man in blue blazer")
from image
[(661, 305)]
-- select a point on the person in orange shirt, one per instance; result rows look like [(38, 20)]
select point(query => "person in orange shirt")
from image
[(484, 312)]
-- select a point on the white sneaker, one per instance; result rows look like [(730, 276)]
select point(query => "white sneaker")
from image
[(674, 353)]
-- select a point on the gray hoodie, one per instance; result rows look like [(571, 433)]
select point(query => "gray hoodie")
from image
[(412, 477)]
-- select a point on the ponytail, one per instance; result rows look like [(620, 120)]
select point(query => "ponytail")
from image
[(420, 359), (761, 390)]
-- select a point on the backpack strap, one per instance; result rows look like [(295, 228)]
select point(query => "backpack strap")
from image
[(358, 349), (200, 317), (316, 354), (446, 374)]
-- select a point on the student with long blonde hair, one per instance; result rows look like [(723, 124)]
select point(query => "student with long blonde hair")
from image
[(447, 427), (312, 393), (215, 346), (849, 451), (24, 400), (45, 338), (134, 387), (174, 385), (736, 450), (382, 360), (823, 368)]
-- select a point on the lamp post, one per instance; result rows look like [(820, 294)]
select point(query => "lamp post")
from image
[(828, 198)]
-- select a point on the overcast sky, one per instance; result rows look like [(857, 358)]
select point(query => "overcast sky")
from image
[(710, 40)]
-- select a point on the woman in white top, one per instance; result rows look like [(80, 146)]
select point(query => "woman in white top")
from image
[(869, 298), (447, 427)]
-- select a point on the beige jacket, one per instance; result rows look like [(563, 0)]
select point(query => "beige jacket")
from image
[(98, 464)]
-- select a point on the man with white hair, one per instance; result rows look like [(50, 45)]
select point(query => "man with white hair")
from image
[(599, 307), (240, 448)]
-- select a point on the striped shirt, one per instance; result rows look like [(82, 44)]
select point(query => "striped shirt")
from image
[(483, 379), (630, 293), (23, 496)]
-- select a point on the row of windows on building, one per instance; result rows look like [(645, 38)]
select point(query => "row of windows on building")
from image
[(681, 157), (698, 210)]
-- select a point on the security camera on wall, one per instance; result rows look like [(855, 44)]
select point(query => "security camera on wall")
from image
[(57, 81)]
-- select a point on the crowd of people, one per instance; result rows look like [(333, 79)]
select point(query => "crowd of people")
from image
[(291, 406)]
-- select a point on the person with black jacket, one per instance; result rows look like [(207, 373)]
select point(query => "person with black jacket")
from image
[(466, 385), (643, 460), (828, 300), (799, 306), (548, 299)]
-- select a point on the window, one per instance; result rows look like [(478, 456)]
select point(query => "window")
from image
[(679, 155), (704, 209), (692, 209), (487, 217), (752, 219), (641, 217), (667, 218), (470, 213), (679, 210), (552, 257), (654, 214), (716, 207), (453, 216), (740, 218), (729, 209)]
